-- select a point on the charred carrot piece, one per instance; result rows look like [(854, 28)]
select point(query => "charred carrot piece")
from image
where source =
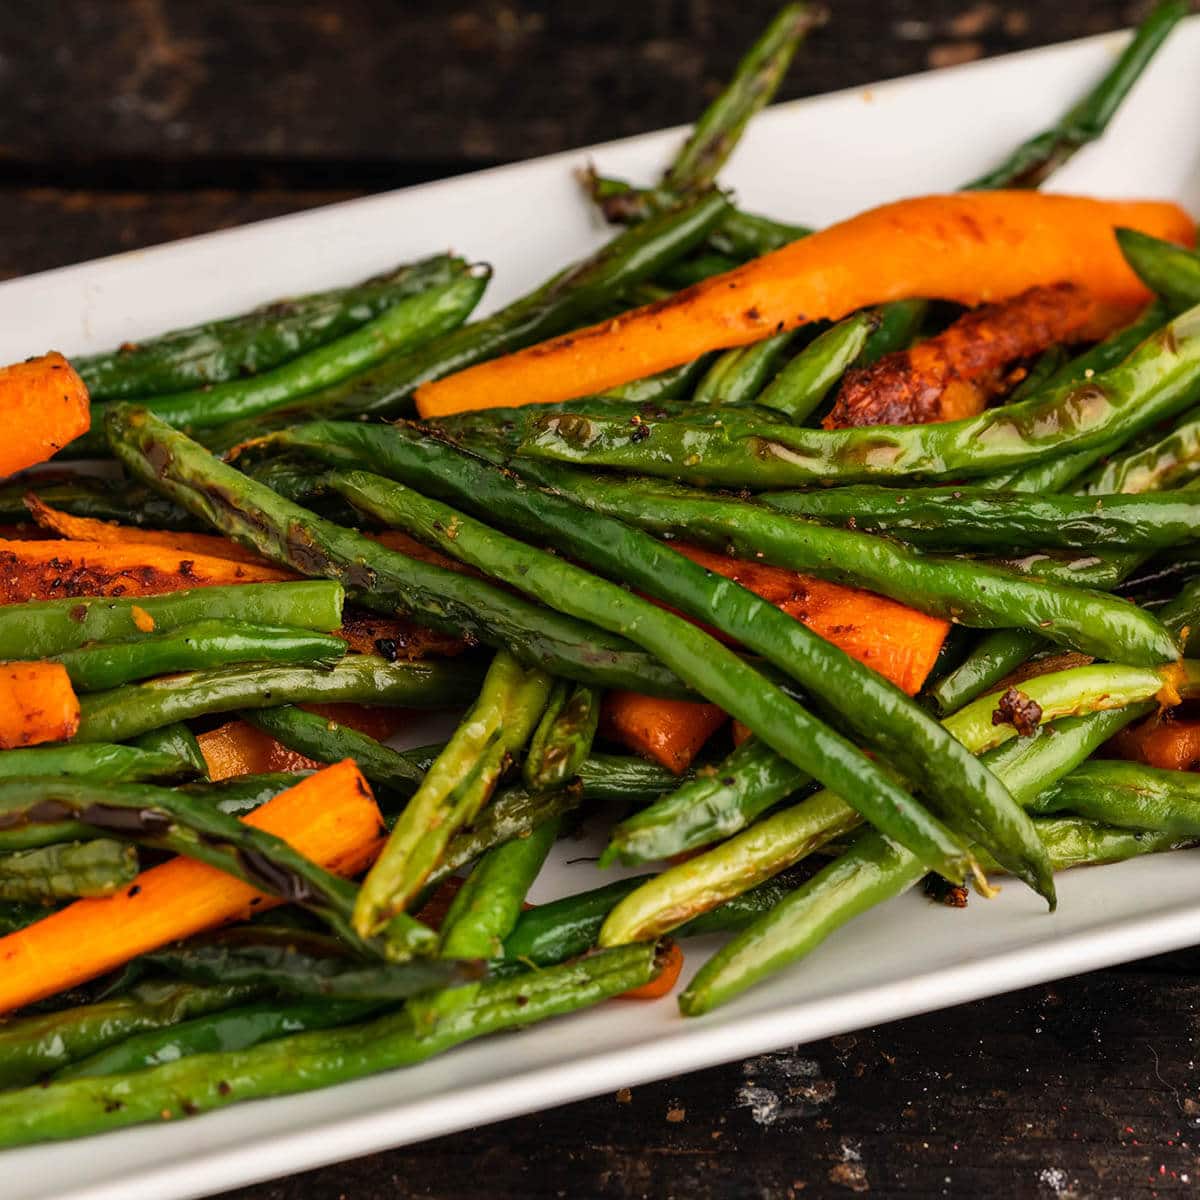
[(44, 405)]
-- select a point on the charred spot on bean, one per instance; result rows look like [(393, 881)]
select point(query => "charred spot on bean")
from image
[(1018, 710), (149, 822)]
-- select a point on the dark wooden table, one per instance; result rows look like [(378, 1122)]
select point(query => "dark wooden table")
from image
[(129, 122)]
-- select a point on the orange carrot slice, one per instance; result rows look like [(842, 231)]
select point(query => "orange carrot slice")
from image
[(671, 960), (43, 405), (668, 732), (37, 704)]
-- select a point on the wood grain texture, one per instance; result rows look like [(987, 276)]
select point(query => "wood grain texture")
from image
[(129, 122)]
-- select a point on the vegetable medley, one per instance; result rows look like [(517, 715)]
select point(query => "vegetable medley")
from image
[(809, 565)]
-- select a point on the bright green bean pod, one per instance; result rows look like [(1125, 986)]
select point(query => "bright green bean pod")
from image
[(1128, 795), (563, 737), (1171, 271), (997, 655), (714, 804), (205, 644), (974, 518), (716, 672), (98, 762), (486, 908), (176, 739), (797, 391), (400, 329), (1156, 381), (456, 787), (740, 374), (1172, 460), (379, 578), (1078, 842), (46, 627), (327, 741), (873, 870), (234, 1029), (203, 1082), (232, 348), (1032, 162), (62, 872), (124, 712), (34, 1046)]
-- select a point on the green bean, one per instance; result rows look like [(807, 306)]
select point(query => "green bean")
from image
[(124, 712), (966, 592), (714, 804), (204, 644), (1033, 161), (797, 391), (973, 518), (1129, 796), (455, 788), (1077, 842), (486, 908), (380, 579), (99, 762), (18, 915), (1171, 460), (740, 374), (675, 383), (398, 330), (716, 672), (696, 269), (45, 627), (873, 870), (61, 872), (218, 351), (100, 499), (563, 737), (242, 794), (1153, 383), (1102, 570), (204, 1082), (235, 1029), (1171, 271), (178, 740), (997, 655), (34, 1046), (875, 709), (1182, 617), (1048, 364)]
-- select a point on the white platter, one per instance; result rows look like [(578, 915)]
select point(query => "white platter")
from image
[(812, 161)]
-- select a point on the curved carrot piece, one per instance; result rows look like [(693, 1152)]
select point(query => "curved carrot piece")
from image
[(971, 247), (330, 817), (43, 406), (37, 704), (671, 964)]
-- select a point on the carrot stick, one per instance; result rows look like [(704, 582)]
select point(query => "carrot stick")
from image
[(330, 817), (668, 732), (88, 529), (237, 748), (971, 247), (47, 570), (37, 704), (671, 960), (43, 406), (1171, 745)]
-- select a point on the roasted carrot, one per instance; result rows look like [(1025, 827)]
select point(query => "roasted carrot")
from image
[(668, 732), (670, 961), (330, 817), (395, 638), (971, 247), (37, 704), (88, 529), (957, 372), (237, 748), (43, 405), (48, 570), (1173, 744)]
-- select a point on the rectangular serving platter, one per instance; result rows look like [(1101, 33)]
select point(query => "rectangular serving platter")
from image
[(812, 161)]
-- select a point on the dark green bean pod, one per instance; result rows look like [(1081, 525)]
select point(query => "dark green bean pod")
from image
[(298, 962), (234, 1029), (1172, 460), (317, 737), (485, 909), (563, 738), (379, 578), (242, 794), (960, 590), (1128, 795), (32, 1047), (675, 383), (873, 708), (974, 518), (46, 627), (1156, 381), (1182, 617), (124, 712), (176, 739), (712, 805), (1048, 364), (997, 655), (98, 762), (234, 347), (403, 328), (62, 872), (101, 499), (740, 374), (1103, 570), (1033, 161), (203, 1082), (17, 915), (696, 269), (1171, 271), (205, 644)]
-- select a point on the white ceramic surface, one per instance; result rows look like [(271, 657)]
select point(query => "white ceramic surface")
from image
[(812, 161)]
